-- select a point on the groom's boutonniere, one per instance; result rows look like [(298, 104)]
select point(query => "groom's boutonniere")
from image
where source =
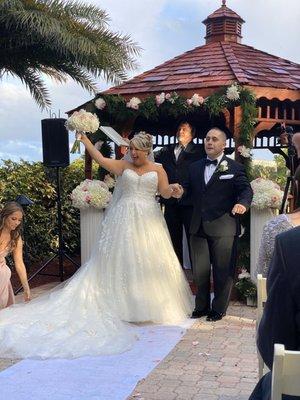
[(223, 166)]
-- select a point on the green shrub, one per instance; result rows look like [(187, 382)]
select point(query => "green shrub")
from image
[(39, 184)]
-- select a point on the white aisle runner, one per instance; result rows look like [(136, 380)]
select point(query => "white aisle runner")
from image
[(91, 378)]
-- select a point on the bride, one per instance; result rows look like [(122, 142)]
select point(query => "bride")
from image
[(133, 274)]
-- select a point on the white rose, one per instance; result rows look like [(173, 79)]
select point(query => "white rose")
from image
[(100, 103)]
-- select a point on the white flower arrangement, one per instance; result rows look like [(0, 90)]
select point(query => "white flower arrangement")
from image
[(160, 98), (244, 274), (91, 193), (133, 103), (233, 92), (195, 100), (266, 194), (223, 166), (100, 103), (244, 151), (82, 121)]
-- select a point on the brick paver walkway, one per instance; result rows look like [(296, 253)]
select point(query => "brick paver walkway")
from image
[(213, 361)]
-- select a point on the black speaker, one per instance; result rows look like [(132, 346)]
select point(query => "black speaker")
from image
[(55, 139)]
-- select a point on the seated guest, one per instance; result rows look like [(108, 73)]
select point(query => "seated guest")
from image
[(272, 228), (280, 322), (11, 217)]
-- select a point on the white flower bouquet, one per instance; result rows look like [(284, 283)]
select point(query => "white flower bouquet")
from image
[(91, 193), (82, 121), (266, 194)]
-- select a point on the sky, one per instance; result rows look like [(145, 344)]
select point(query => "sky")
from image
[(164, 29)]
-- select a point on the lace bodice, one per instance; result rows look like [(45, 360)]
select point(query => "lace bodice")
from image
[(276, 225), (134, 185)]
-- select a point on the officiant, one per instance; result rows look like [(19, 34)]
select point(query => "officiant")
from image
[(176, 159)]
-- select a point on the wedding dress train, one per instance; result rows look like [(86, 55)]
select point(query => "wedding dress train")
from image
[(133, 275)]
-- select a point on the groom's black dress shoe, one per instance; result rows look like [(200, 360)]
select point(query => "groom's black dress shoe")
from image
[(214, 316), (199, 314)]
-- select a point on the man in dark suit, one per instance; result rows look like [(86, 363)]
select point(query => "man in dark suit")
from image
[(280, 322), (220, 192), (176, 159)]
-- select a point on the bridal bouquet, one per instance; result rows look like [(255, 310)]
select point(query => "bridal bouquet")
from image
[(91, 193), (266, 194), (82, 121)]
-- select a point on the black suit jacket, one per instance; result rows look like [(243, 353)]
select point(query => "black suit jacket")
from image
[(177, 171), (281, 318), (218, 197)]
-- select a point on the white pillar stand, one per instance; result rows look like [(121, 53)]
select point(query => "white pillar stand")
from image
[(258, 218), (90, 219)]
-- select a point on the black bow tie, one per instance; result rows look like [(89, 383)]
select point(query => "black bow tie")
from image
[(209, 162)]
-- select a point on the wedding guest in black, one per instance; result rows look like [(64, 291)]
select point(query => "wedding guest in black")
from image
[(220, 192), (176, 159), (280, 322)]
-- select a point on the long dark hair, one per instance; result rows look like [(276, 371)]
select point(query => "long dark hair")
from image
[(8, 209)]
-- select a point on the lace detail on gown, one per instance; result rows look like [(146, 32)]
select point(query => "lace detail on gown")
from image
[(133, 274), (272, 228)]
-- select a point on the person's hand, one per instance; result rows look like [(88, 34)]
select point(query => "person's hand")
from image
[(27, 296), (238, 209), (81, 136), (177, 190)]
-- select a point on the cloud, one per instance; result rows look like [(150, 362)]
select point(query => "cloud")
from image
[(164, 29)]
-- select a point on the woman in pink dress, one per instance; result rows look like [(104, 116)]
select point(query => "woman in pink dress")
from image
[(11, 217)]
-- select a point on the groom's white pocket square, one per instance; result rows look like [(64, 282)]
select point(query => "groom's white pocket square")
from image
[(228, 176)]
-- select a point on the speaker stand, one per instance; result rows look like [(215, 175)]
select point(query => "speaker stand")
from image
[(59, 253)]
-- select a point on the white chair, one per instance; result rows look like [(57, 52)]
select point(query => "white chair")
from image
[(286, 372), (261, 300)]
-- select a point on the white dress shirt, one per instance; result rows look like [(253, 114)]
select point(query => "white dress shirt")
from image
[(210, 169)]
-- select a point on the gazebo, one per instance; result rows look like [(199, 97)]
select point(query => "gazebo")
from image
[(221, 62)]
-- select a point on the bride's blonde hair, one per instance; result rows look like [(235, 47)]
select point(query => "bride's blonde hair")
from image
[(142, 141)]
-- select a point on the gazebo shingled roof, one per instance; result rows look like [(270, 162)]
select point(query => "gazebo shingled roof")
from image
[(221, 61), (214, 65)]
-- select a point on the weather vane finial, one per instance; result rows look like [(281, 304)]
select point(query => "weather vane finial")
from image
[(223, 2)]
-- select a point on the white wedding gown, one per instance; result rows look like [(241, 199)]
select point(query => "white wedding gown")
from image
[(133, 275)]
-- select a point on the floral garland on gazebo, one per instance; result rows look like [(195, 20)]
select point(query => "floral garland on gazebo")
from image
[(175, 105)]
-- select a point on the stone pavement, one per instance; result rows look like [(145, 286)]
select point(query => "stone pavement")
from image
[(213, 360)]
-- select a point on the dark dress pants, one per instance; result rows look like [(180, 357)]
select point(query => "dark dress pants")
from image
[(178, 216), (220, 252)]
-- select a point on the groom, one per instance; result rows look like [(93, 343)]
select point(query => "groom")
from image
[(220, 192)]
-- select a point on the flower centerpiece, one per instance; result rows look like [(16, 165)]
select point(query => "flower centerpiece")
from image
[(91, 193), (82, 121), (246, 286), (266, 194)]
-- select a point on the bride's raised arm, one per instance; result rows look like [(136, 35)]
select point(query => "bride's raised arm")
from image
[(114, 166)]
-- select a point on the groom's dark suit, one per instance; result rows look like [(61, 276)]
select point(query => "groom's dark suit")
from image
[(214, 229), (178, 213)]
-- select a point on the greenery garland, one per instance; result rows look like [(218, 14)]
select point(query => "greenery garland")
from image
[(114, 109)]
